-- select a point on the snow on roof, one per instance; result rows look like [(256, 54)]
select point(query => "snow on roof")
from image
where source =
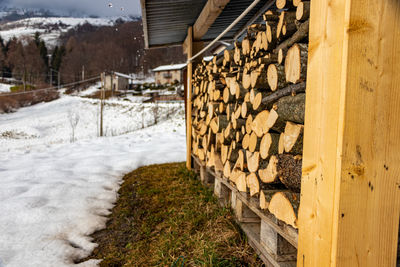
[(177, 66), (123, 75), (170, 67)]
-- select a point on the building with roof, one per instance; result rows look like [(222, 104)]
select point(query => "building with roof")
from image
[(169, 74)]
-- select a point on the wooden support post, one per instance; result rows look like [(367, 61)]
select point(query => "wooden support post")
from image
[(275, 244), (350, 195), (189, 51), (190, 48), (243, 213), (222, 192)]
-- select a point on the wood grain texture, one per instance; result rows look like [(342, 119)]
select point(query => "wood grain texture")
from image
[(350, 201)]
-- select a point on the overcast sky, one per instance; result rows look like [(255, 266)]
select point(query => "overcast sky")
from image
[(100, 8)]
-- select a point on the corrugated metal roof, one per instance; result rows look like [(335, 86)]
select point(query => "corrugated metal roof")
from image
[(231, 11), (165, 22)]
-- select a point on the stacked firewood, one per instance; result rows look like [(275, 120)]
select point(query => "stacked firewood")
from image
[(248, 109)]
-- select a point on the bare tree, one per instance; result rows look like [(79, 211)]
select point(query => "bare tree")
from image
[(73, 118)]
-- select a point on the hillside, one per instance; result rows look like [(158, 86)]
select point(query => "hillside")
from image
[(50, 28)]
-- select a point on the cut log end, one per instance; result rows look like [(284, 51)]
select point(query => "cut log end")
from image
[(270, 174), (284, 206), (253, 184)]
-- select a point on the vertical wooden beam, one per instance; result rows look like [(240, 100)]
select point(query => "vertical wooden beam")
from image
[(190, 48), (189, 51), (350, 201)]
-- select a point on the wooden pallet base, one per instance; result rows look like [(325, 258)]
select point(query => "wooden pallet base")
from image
[(274, 241)]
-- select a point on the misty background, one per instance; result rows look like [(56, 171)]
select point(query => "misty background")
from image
[(99, 8)]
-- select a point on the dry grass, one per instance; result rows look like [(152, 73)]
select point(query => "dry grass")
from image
[(12, 103), (164, 216)]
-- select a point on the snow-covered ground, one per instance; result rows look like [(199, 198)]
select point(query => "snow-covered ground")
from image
[(50, 29), (54, 193), (5, 88)]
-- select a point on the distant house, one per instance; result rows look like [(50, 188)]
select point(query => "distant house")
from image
[(116, 81), (169, 74)]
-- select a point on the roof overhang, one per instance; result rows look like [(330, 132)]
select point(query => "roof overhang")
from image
[(165, 22)]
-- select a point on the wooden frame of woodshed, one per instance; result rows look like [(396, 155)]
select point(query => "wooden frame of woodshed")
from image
[(350, 187)]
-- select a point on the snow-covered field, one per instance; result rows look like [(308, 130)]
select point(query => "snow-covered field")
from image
[(50, 29), (54, 193), (5, 88)]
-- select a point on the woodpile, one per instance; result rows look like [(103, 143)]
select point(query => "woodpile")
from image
[(248, 109)]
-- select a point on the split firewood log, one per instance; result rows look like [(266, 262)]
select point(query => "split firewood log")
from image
[(271, 28), (289, 90), (293, 138), (265, 198), (254, 142), (287, 108), (253, 161), (227, 169), (303, 11), (246, 141), (284, 206), (271, 16), (276, 77), (289, 171), (219, 123), (259, 125), (286, 25), (228, 55), (269, 174), (246, 78), (296, 2), (281, 4), (299, 36), (244, 109), (240, 162), (249, 123), (246, 46), (241, 184), (296, 63), (259, 78), (253, 184), (269, 145)]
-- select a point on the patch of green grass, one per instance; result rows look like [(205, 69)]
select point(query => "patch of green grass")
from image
[(165, 216), (18, 88)]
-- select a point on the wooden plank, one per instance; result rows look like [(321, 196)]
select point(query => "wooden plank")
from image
[(144, 21), (350, 201), (189, 100), (286, 231), (252, 231), (208, 15), (275, 244)]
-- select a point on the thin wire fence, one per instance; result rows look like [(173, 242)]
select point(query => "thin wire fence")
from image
[(52, 88)]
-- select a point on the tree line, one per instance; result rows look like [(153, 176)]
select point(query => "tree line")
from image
[(93, 49)]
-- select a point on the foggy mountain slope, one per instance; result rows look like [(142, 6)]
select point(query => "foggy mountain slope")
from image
[(49, 28)]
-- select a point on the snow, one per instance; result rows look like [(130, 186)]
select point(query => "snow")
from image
[(54, 193), (5, 88), (170, 67), (91, 90), (177, 66), (58, 25)]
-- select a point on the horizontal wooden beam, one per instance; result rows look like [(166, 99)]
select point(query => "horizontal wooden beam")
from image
[(208, 15)]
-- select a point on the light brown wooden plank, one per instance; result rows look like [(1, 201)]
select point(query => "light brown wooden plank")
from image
[(208, 15), (349, 211)]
